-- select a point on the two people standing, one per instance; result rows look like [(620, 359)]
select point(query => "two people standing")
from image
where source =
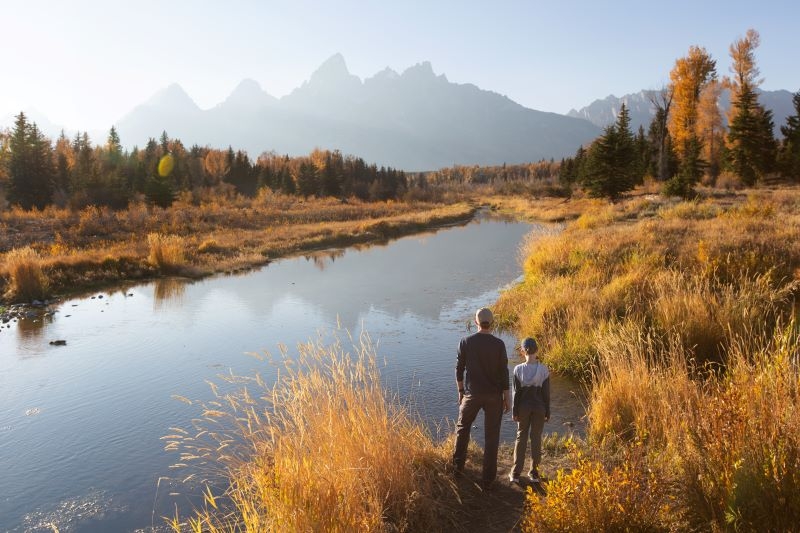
[(483, 384)]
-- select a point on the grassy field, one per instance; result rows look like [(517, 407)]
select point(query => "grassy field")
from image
[(681, 317), (55, 250)]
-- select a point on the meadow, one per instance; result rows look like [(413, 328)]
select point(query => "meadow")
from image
[(680, 316), (56, 250)]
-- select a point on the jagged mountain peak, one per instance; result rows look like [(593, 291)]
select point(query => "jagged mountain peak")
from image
[(174, 97), (332, 70), (248, 94), (422, 72), (385, 74)]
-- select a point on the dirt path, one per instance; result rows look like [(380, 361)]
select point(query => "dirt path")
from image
[(497, 510)]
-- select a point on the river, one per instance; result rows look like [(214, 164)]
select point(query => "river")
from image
[(81, 424)]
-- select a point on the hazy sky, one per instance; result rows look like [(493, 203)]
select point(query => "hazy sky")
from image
[(86, 63)]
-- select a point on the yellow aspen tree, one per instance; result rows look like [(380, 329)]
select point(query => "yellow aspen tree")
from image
[(745, 73), (216, 165), (688, 78), (710, 127), (751, 143)]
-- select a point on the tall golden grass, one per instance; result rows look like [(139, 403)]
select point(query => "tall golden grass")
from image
[(98, 245), (682, 319), (325, 448), (24, 270), (166, 251), (682, 266)]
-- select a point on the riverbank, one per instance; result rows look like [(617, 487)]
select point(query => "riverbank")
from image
[(58, 251), (681, 317)]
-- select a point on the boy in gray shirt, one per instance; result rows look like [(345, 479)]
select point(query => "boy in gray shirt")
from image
[(531, 409)]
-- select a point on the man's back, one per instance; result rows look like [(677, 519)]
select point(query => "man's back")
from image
[(482, 357)]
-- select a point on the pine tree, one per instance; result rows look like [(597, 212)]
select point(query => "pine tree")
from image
[(643, 156), (611, 165), (306, 179), (30, 167), (789, 157), (114, 148), (332, 174)]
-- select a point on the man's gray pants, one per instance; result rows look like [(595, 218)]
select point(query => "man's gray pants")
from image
[(492, 405)]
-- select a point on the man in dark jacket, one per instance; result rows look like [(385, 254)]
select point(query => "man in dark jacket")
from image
[(482, 379)]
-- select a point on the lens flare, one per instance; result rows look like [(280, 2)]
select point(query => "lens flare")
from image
[(165, 165)]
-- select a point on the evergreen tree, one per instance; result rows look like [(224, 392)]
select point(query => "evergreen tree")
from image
[(242, 175), (286, 181), (64, 161), (751, 147), (30, 169), (643, 156), (690, 170), (789, 157), (332, 174), (306, 179), (611, 166), (113, 148), (159, 191)]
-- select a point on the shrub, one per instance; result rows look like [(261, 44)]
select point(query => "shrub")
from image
[(593, 497), (26, 279), (740, 450)]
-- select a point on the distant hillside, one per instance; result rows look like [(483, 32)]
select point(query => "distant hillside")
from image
[(414, 121), (604, 112)]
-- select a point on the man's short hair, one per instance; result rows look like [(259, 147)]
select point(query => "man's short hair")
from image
[(484, 317)]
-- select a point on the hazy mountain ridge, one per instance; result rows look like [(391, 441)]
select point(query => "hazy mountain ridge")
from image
[(414, 120), (603, 112)]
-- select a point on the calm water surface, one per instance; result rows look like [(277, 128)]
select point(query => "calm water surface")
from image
[(81, 424)]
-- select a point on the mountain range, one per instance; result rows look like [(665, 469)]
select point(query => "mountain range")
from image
[(603, 112), (414, 120)]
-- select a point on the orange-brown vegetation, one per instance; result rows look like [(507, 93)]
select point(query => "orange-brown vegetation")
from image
[(681, 316), (199, 236)]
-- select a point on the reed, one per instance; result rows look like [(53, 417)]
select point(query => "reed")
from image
[(166, 252), (27, 281), (325, 448)]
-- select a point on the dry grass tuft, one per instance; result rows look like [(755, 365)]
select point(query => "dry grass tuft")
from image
[(323, 449), (24, 270), (166, 252)]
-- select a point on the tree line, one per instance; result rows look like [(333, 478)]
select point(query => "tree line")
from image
[(35, 172), (687, 140)]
